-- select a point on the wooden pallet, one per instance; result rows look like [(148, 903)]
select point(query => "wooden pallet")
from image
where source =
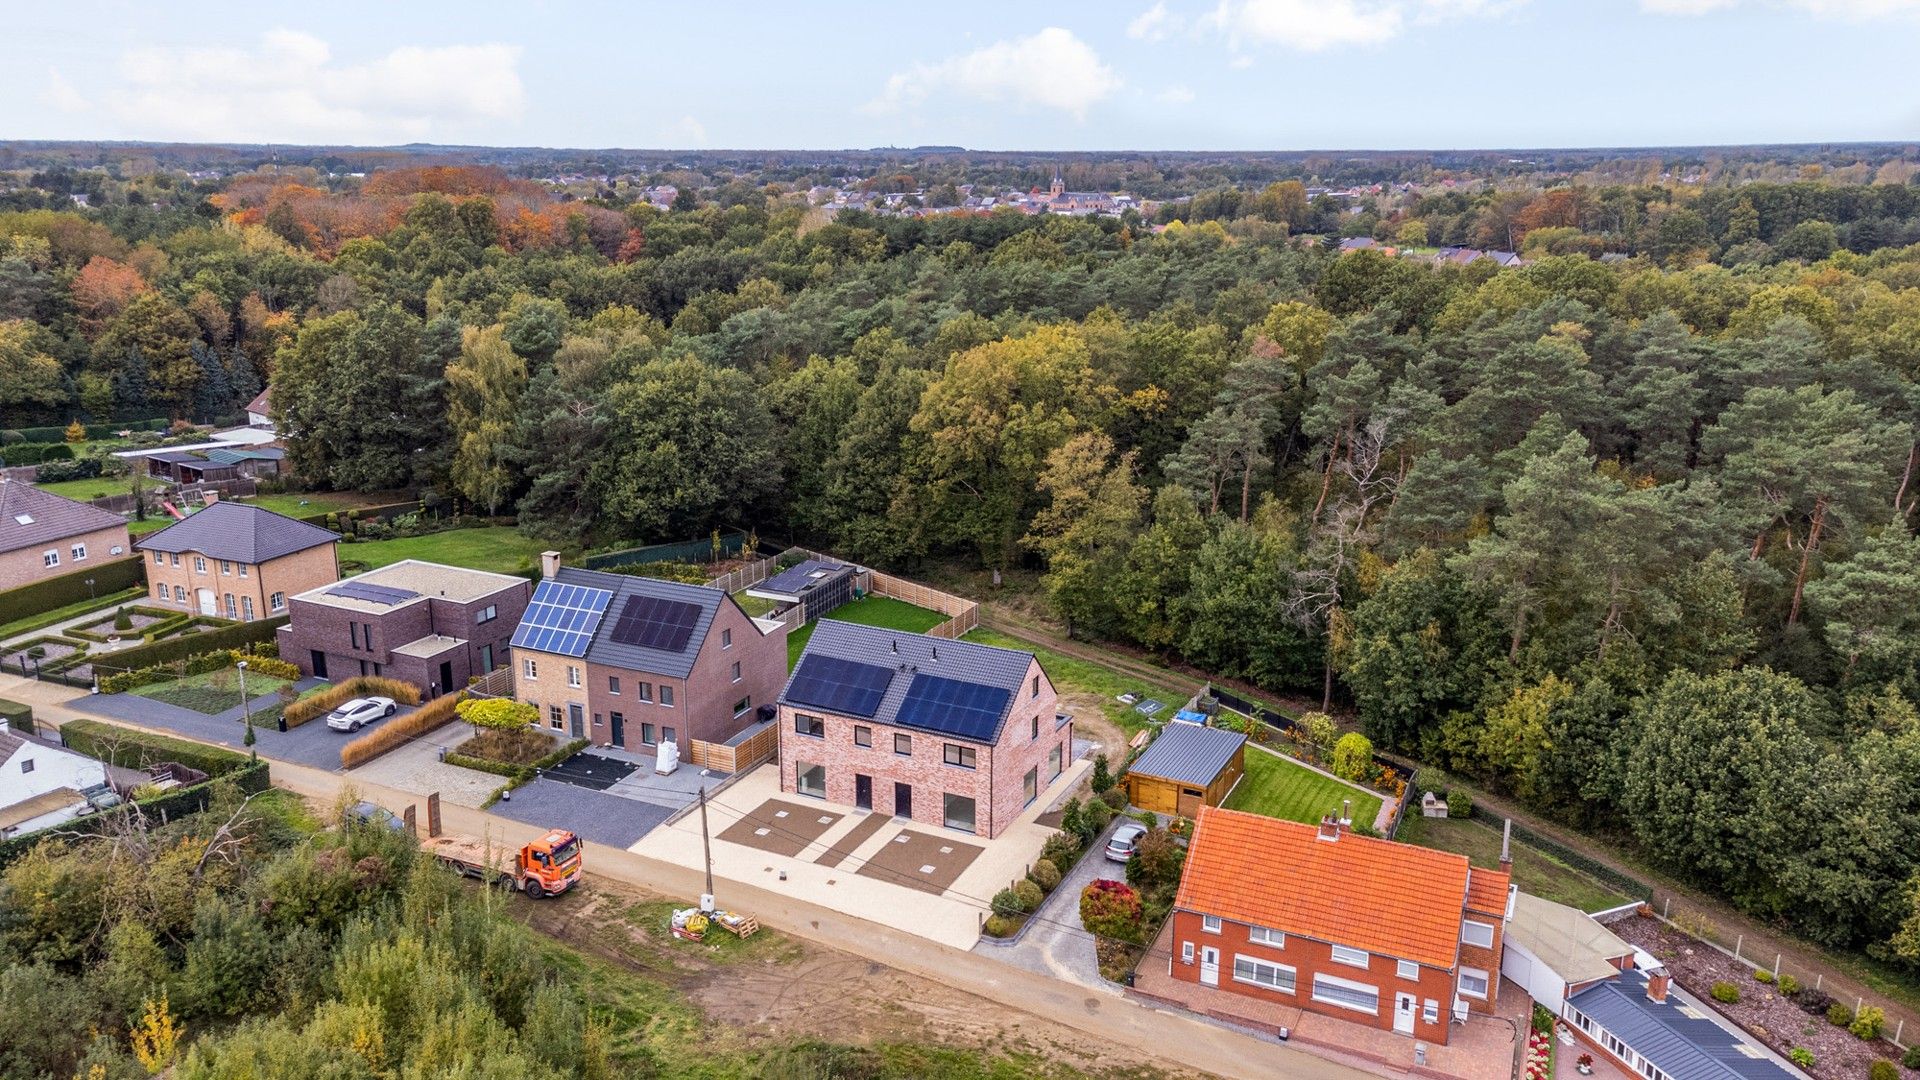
[(743, 926)]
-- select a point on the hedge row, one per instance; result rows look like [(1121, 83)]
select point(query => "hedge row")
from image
[(252, 779), (70, 588), (132, 749), (35, 453), (200, 664), (94, 431), (1633, 887), (169, 621), (359, 686), (55, 472), (236, 636), (395, 733), (18, 717)]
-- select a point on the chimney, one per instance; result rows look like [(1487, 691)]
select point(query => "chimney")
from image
[(549, 565), (1657, 980), (894, 646), (1346, 812), (1506, 848), (1329, 828)]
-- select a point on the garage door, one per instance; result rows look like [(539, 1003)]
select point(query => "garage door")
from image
[(1155, 795)]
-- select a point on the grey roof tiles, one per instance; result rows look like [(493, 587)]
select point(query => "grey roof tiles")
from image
[(237, 531), (906, 655), (48, 517)]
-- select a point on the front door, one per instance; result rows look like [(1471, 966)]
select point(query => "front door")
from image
[(319, 664), (577, 718), (446, 676), (1403, 1006), (863, 791), (619, 730), (1209, 966), (206, 602), (902, 800)]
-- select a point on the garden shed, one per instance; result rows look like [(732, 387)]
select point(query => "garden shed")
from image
[(1188, 766)]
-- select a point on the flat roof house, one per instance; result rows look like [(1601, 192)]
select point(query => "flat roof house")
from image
[(42, 785), (946, 733), (1187, 766), (816, 583), (237, 561), (434, 626), (633, 662), (44, 535), (1393, 936)]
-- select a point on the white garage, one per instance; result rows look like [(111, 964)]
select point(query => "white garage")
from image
[(1552, 950)]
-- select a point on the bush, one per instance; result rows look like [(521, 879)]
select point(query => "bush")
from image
[(1789, 985), (1801, 1056), (1062, 849), (1868, 1022), (1459, 803), (1911, 1059), (1112, 909), (1839, 1015), (48, 594), (132, 749), (1726, 993), (1094, 818), (122, 622), (1045, 874), (500, 714), (76, 431), (1353, 757), (1030, 895), (271, 666), (1004, 926), (55, 472), (1882, 1070), (1763, 976), (1814, 1002), (1154, 867), (1008, 903), (1318, 730), (394, 733), (359, 686), (1102, 778), (1115, 798), (244, 636)]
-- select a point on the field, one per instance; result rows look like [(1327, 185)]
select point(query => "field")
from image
[(497, 548), (1533, 870), (212, 692), (1277, 787), (1082, 677), (868, 611)]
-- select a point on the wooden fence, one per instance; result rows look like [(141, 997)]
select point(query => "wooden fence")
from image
[(495, 683), (963, 615), (720, 757)]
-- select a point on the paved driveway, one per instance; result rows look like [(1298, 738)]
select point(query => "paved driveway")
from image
[(312, 743), (1055, 943), (593, 815)]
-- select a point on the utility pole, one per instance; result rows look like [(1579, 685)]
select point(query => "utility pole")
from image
[(706, 849)]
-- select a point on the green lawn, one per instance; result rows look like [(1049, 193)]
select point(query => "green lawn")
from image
[(1533, 870), (100, 486), (308, 503), (211, 692), (1072, 675), (755, 606), (497, 547), (869, 611), (1278, 787)]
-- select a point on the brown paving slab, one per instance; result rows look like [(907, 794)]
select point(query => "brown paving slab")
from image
[(928, 863), (784, 828), (847, 844)]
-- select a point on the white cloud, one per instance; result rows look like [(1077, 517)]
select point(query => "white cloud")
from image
[(1177, 94), (60, 93), (1825, 9), (686, 132), (1318, 25), (1155, 24), (1052, 68), (288, 88)]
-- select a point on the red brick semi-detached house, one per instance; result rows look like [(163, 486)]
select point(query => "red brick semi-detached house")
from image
[(946, 733), (1390, 935), (635, 662)]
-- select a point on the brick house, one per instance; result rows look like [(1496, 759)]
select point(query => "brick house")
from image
[(633, 662), (434, 626), (945, 733), (44, 535), (237, 561), (1393, 936)]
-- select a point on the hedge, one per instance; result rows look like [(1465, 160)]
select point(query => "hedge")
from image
[(18, 717), (252, 779), (396, 732), (94, 431), (55, 472), (70, 588), (132, 749), (33, 453), (122, 682), (235, 636), (169, 620), (307, 708)]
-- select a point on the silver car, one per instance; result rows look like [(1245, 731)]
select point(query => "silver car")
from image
[(359, 712), (1120, 848)]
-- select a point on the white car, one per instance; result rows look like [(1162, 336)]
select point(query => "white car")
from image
[(358, 712)]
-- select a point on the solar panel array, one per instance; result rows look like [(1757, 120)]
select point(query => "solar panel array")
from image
[(561, 618), (373, 594), (847, 687), (961, 709), (654, 622)]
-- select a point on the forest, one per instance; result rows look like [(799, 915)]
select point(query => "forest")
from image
[(1628, 540)]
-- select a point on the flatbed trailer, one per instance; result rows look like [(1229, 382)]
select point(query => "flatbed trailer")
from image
[(548, 866)]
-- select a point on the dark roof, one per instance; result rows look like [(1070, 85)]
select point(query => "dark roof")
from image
[(632, 657), (221, 455), (49, 517), (1188, 753), (922, 673), (798, 579), (1682, 1046), (237, 531), (178, 457)]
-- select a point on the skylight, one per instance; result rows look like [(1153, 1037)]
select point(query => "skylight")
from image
[(24, 519)]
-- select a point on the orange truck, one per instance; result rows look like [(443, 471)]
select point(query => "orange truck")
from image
[(547, 867)]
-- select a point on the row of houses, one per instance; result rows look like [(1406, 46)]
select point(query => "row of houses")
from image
[(1446, 256)]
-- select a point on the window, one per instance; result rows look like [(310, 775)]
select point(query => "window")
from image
[(742, 705), (958, 811), (246, 615), (736, 671), (1346, 995), (1408, 970), (1186, 952), (1053, 764), (1430, 1012), (555, 718), (51, 557), (666, 734), (726, 639), (179, 594), (486, 614), (646, 735), (1275, 977), (174, 558), (1036, 726), (529, 668), (1477, 933), (1260, 935), (810, 779), (79, 552), (573, 676), (243, 569), (159, 558), (613, 684), (643, 691), (811, 726), (353, 635), (903, 744), (199, 564), (278, 601), (1035, 692), (1473, 983), (26, 766), (226, 567), (1030, 787), (955, 754), (230, 606), (666, 696), (1210, 924), (862, 735), (160, 593), (1352, 957), (596, 720)]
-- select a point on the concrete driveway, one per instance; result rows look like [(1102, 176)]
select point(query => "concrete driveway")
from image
[(1055, 943), (313, 743)]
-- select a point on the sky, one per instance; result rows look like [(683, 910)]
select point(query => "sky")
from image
[(1062, 75)]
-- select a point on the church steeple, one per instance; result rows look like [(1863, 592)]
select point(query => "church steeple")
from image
[(1059, 187)]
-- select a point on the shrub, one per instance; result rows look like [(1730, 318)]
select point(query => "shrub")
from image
[(1353, 756), (132, 749), (1882, 1070), (1115, 798), (1045, 874), (1156, 862), (1911, 1059), (122, 622), (1814, 1002), (76, 432), (273, 666), (1459, 803), (513, 747), (1030, 895), (1062, 849), (1111, 909), (499, 714), (1102, 778), (1801, 1056), (359, 686), (1839, 1015), (1868, 1022), (1003, 926), (1726, 993), (1318, 730), (394, 733), (1763, 976), (55, 472), (1008, 903), (1094, 818), (1789, 985)]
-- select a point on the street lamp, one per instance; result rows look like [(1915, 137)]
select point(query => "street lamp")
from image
[(245, 710), (90, 589)]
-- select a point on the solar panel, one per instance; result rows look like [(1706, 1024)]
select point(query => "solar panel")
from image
[(654, 622), (963, 709), (846, 687), (371, 593), (561, 618)]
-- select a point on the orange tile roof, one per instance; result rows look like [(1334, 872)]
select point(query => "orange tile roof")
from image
[(1394, 899), (1487, 891)]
